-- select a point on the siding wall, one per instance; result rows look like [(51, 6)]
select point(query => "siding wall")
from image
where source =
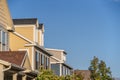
[(5, 18), (26, 31)]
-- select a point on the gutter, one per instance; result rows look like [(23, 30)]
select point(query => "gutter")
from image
[(6, 69), (10, 66)]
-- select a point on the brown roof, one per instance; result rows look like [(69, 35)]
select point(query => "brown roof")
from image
[(14, 57), (84, 73), (24, 21)]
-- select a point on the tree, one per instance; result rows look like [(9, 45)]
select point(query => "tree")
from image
[(99, 70), (105, 72), (47, 75)]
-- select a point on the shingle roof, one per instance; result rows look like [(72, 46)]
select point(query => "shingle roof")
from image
[(24, 21), (14, 57), (84, 73)]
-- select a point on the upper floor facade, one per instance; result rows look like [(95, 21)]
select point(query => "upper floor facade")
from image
[(58, 55), (30, 29), (58, 62), (30, 36)]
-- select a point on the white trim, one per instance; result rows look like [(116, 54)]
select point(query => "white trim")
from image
[(55, 58), (24, 59), (42, 38), (34, 31), (55, 49), (5, 62), (24, 50), (62, 56), (33, 68), (60, 69), (36, 35), (23, 37), (54, 62), (30, 44)]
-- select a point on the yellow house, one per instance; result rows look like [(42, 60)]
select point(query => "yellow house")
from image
[(29, 36), (6, 25), (14, 65), (22, 51), (5, 18)]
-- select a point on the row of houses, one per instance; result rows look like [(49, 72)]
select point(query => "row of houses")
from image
[(22, 51)]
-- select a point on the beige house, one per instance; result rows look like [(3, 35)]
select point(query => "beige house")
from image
[(58, 62)]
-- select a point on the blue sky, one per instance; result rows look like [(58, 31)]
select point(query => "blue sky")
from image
[(84, 28)]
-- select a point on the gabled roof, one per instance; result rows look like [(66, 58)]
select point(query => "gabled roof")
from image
[(24, 21), (14, 57)]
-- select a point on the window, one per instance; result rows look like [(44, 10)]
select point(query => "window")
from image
[(64, 57), (0, 41), (47, 63), (37, 60), (3, 41), (42, 59), (63, 70)]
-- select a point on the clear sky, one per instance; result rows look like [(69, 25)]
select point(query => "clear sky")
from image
[(84, 28)]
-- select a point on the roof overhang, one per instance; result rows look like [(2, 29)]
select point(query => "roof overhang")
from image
[(39, 47), (62, 64), (31, 73), (57, 50), (11, 66)]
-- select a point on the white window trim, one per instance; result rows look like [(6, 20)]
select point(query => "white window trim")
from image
[(33, 59), (60, 69)]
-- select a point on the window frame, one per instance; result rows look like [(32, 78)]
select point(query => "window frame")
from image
[(3, 43)]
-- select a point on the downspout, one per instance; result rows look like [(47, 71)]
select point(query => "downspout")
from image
[(6, 69)]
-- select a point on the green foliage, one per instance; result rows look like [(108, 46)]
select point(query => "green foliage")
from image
[(99, 70), (78, 76), (46, 75), (49, 75)]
